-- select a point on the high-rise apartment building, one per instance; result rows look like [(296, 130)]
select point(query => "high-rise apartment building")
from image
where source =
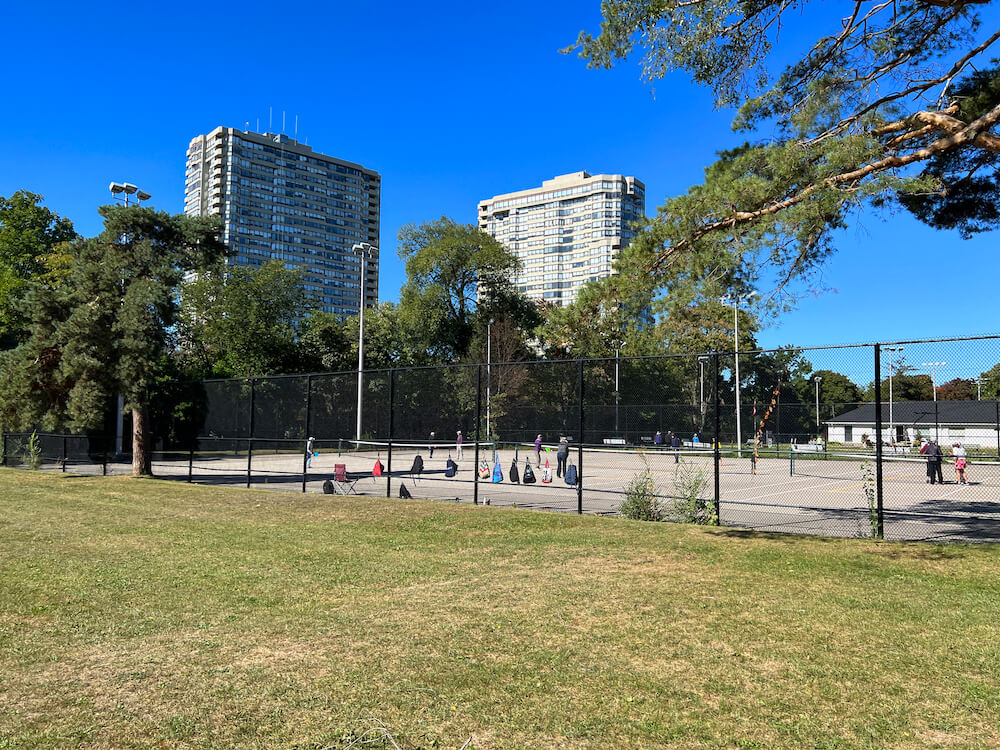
[(279, 199), (567, 232)]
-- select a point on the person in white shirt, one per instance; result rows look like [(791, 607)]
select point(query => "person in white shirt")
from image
[(961, 459)]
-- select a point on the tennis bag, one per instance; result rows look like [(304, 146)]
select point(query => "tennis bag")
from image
[(529, 475), (450, 468), (570, 474), (546, 473), (513, 472), (378, 469), (418, 465), (404, 493), (497, 471), (484, 469), (328, 488)]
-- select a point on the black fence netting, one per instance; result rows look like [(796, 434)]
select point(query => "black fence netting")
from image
[(900, 441)]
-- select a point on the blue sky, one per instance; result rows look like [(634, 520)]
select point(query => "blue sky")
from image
[(451, 102)]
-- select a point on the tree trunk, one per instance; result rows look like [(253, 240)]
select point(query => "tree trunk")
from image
[(142, 460)]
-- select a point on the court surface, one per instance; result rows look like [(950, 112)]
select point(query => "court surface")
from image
[(806, 495)]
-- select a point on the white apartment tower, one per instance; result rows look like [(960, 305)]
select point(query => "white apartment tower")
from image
[(567, 232), (279, 199)]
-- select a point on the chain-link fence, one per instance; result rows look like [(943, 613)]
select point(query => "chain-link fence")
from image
[(898, 440)]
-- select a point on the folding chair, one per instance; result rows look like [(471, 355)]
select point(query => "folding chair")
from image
[(342, 481)]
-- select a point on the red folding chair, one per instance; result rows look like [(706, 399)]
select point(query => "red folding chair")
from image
[(342, 480)]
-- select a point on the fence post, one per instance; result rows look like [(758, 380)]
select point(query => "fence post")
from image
[(253, 409), (5, 448), (998, 428), (715, 441), (880, 516), (392, 413), (64, 456), (475, 460), (579, 448), (191, 461), (305, 456)]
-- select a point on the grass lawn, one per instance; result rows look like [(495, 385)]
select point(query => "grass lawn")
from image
[(156, 614)]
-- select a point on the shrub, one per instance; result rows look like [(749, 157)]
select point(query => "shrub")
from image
[(640, 502), (33, 452), (689, 505)]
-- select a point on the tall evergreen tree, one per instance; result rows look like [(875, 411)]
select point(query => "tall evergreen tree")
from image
[(106, 330)]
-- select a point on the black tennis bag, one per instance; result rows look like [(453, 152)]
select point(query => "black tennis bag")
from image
[(404, 493), (513, 472), (570, 475), (450, 468), (418, 465), (529, 476), (328, 488)]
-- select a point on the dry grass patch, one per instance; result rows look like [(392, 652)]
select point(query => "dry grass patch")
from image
[(153, 614)]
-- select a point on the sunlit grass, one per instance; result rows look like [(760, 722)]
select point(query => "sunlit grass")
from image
[(144, 613)]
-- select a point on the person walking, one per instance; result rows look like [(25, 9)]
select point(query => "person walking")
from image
[(934, 456), (458, 446), (538, 450), (562, 455), (658, 439), (309, 451), (675, 443), (430, 445), (961, 460)]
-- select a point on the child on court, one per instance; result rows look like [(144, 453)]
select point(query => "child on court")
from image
[(458, 446), (538, 450)]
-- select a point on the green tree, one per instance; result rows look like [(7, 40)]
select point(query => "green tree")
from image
[(107, 329), (29, 233), (451, 271), (239, 320), (991, 383), (844, 125)]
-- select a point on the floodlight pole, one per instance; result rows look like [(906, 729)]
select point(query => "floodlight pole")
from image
[(892, 428), (736, 299), (818, 379), (120, 191), (489, 361), (364, 251)]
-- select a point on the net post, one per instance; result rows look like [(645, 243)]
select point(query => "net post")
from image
[(253, 409), (715, 440), (305, 456), (579, 446), (392, 413), (879, 510)]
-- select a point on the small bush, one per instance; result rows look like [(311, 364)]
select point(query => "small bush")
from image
[(33, 452), (689, 505), (640, 502)]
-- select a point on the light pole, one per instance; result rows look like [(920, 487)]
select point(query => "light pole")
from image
[(364, 251), (701, 404), (932, 366), (892, 429), (979, 389), (736, 299), (619, 344), (122, 191), (818, 379), (489, 360)]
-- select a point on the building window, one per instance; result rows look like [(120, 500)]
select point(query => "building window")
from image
[(849, 434)]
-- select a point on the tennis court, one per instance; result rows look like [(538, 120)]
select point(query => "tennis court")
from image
[(814, 495)]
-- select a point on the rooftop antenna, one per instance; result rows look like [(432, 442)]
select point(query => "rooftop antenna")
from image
[(258, 124), (248, 125), (270, 117), (282, 121), (296, 126)]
